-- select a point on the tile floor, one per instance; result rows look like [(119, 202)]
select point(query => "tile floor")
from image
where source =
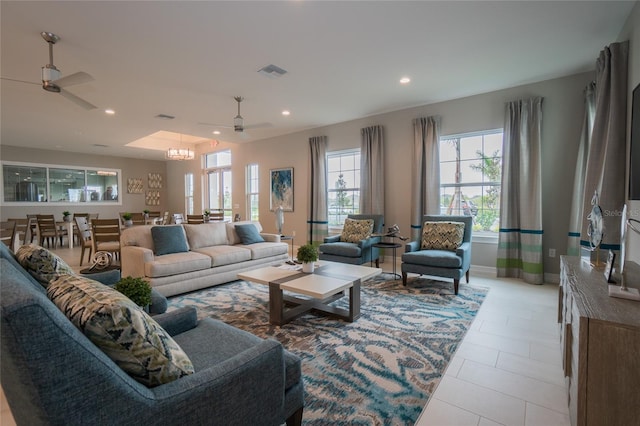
[(507, 370)]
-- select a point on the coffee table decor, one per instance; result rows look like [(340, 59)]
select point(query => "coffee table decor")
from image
[(380, 369)]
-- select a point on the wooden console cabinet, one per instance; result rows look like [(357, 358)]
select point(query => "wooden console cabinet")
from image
[(600, 337)]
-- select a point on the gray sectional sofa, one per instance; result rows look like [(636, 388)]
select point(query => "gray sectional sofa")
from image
[(215, 254), (52, 373)]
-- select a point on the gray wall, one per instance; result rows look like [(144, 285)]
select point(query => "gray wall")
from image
[(562, 111), (130, 167)]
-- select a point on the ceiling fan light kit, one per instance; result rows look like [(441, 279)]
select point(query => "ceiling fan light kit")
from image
[(238, 122)]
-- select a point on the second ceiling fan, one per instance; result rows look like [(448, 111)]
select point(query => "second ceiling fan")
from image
[(238, 121)]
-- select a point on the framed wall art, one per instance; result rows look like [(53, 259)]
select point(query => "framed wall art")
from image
[(281, 189), (155, 181), (152, 198), (135, 186)]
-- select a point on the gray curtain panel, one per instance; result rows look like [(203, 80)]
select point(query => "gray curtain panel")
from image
[(575, 220), (318, 221), (607, 152), (372, 170), (425, 172), (520, 236)]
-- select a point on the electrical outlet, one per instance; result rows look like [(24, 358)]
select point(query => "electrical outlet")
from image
[(552, 252)]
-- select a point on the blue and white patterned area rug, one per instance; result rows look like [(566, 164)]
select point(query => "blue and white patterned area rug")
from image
[(378, 370)]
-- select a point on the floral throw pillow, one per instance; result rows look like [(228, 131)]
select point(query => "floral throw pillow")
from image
[(442, 235), (355, 230), (121, 329), (42, 264)]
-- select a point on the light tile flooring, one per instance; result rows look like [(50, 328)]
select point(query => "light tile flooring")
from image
[(507, 370)]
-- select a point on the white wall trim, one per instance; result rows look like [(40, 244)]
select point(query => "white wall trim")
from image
[(489, 271)]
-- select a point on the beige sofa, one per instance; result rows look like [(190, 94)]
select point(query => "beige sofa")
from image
[(216, 255)]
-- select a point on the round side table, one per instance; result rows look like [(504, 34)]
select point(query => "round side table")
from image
[(393, 247)]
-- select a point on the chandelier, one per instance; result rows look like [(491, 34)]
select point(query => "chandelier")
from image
[(180, 153)]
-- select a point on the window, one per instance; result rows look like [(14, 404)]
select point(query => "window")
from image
[(470, 174), (188, 193), (37, 183), (218, 182), (343, 181), (253, 192)]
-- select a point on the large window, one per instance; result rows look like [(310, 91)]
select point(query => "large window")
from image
[(37, 183), (188, 193), (253, 192), (470, 174), (343, 185), (218, 182)]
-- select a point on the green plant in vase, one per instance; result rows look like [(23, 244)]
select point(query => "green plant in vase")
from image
[(136, 289), (66, 216), (307, 254), (126, 218)]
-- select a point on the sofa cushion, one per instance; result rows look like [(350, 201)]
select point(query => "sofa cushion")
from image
[(232, 236), (139, 236), (438, 258), (225, 255), (442, 235), (120, 328), (341, 249), (356, 230), (176, 263), (169, 239), (249, 234), (42, 264), (264, 250), (206, 234)]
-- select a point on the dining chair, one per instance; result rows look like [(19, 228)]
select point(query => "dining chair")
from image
[(195, 219), (105, 234), (83, 232), (32, 228), (8, 233), (75, 226), (48, 228), (178, 218), (21, 229), (216, 216), (137, 218), (165, 218), (154, 217)]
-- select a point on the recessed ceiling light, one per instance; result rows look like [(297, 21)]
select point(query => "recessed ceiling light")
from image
[(216, 132), (405, 80), (109, 111), (286, 112)]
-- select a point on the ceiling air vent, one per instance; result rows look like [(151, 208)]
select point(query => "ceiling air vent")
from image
[(272, 71), (100, 145), (165, 117)]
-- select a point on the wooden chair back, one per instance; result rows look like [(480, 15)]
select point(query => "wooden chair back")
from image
[(8, 233), (21, 229), (48, 229), (105, 234), (216, 216), (195, 219), (83, 233)]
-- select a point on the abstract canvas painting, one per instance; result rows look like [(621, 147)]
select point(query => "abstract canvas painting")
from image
[(281, 189)]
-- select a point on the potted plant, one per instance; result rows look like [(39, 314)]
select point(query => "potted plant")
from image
[(126, 217), (66, 216), (207, 213), (307, 254), (136, 289), (145, 212)]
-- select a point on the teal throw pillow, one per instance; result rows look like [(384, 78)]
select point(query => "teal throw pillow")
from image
[(169, 239), (249, 234)]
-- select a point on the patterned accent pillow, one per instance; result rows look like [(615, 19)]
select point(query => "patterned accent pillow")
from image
[(121, 329), (356, 230), (42, 264), (442, 235)]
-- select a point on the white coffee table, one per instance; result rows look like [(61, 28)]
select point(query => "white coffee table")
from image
[(326, 285)]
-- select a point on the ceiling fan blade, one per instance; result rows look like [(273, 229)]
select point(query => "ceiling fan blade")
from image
[(73, 79), (222, 126), (76, 100), (258, 125), (21, 81)]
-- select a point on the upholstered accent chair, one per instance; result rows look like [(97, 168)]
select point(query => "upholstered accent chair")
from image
[(447, 261), (336, 249)]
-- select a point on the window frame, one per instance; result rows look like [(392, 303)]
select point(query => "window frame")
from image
[(87, 170), (221, 170), (252, 177), (337, 228), (478, 235)]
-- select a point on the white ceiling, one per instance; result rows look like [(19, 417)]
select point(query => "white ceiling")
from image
[(344, 61)]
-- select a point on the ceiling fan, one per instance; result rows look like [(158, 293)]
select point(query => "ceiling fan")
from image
[(238, 121), (51, 76)]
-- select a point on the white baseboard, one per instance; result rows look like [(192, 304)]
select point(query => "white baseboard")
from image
[(489, 271), (552, 278)]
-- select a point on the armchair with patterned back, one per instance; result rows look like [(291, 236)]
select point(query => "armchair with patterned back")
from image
[(444, 249), (355, 244)]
